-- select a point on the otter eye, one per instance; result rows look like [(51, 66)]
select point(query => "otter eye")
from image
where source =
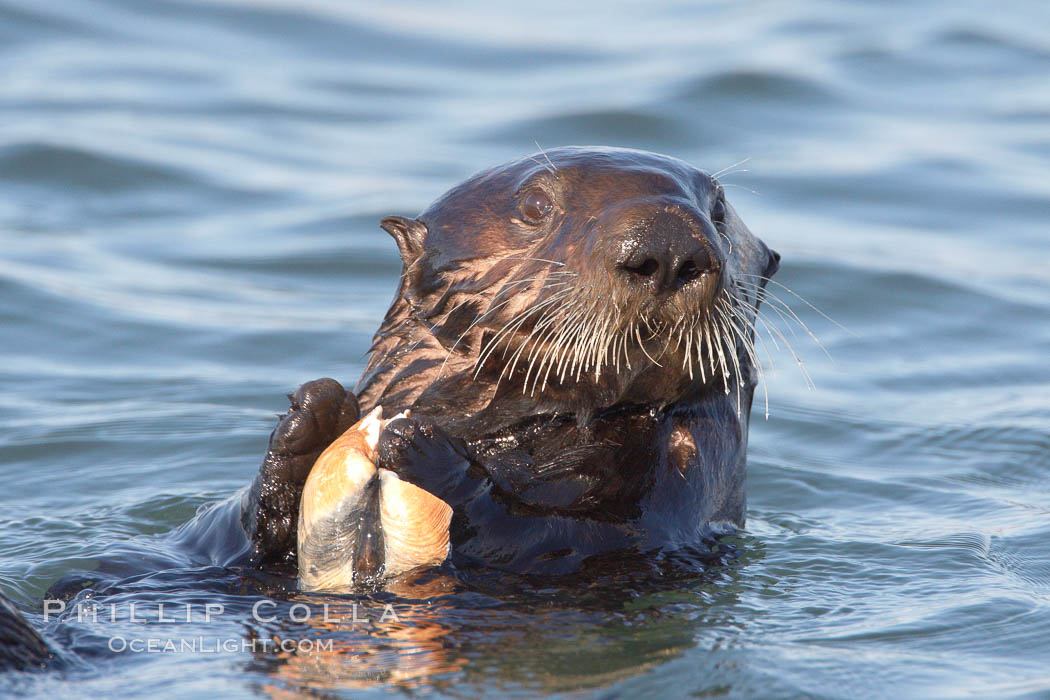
[(535, 206), (718, 209)]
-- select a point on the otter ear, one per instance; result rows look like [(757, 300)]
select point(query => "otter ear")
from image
[(773, 265), (408, 234)]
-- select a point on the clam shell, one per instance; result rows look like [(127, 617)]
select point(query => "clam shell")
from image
[(415, 524), (342, 471), (358, 521)]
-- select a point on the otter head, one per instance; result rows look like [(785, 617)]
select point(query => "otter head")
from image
[(573, 281)]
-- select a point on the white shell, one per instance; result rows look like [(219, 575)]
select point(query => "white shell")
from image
[(414, 523)]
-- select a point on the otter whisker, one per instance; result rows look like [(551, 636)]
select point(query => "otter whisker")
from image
[(765, 295), (746, 189), (539, 324), (786, 318), (515, 322), (588, 350), (739, 323), (748, 346), (724, 235), (620, 343), (688, 359), (775, 304), (668, 334), (578, 346), (766, 323), (585, 353), (790, 317), (546, 276), (537, 339), (729, 167), (762, 374), (711, 354), (685, 337), (732, 172), (557, 323), (753, 322), (597, 346), (550, 316), (557, 345), (759, 339), (546, 320), (547, 285), (546, 157), (544, 260), (542, 348), (481, 318), (773, 328), (563, 358), (563, 347), (731, 348), (568, 354), (506, 287), (680, 327), (641, 345), (519, 319), (601, 348), (617, 341), (542, 165), (549, 342), (471, 327), (553, 325), (675, 333), (511, 364), (655, 329), (625, 340), (718, 330), (782, 309), (578, 356), (696, 331), (805, 301)]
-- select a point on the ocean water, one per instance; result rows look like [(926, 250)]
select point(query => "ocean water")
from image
[(189, 199)]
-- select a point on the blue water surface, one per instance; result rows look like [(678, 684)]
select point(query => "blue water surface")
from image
[(189, 199)]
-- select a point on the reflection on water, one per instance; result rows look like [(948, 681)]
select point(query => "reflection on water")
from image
[(189, 198), (437, 628)]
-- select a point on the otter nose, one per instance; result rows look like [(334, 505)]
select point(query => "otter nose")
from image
[(666, 255)]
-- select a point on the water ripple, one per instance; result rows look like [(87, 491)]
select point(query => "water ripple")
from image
[(189, 198)]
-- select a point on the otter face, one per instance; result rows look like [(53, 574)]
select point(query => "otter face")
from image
[(587, 277)]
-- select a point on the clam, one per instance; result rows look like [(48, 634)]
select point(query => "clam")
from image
[(361, 523)]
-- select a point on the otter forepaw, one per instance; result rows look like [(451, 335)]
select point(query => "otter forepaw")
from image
[(422, 453), (319, 412)]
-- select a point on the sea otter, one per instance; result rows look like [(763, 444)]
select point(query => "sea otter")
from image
[(573, 335)]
